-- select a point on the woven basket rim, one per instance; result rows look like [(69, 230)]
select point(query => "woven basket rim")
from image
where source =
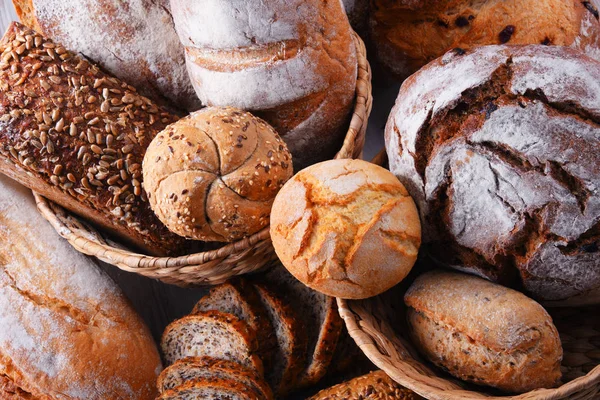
[(161, 267)]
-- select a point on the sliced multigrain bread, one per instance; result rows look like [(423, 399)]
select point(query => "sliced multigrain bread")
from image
[(348, 358), (290, 355), (213, 334), (192, 368), (211, 389), (318, 314), (239, 298)]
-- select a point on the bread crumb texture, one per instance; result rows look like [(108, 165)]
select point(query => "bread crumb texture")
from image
[(346, 228)]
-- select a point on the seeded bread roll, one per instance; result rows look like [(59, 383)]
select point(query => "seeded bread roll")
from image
[(484, 333), (500, 148), (347, 228), (292, 63), (408, 34), (213, 175), (78, 136), (133, 40)]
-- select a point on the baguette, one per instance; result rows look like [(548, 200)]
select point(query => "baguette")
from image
[(78, 136)]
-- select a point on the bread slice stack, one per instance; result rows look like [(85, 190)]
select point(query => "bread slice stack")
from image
[(252, 339)]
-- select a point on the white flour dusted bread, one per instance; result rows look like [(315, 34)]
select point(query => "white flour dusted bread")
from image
[(134, 40), (65, 329), (500, 148), (292, 63)]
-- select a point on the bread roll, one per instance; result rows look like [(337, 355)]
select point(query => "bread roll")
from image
[(213, 175), (78, 136), (347, 228), (408, 34), (66, 331), (500, 148), (292, 63), (134, 40), (483, 333)]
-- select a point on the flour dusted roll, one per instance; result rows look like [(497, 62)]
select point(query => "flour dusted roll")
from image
[(291, 63), (65, 329)]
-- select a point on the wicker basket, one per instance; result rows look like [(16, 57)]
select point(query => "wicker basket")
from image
[(216, 266)]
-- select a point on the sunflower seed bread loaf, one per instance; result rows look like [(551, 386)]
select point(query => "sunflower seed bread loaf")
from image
[(483, 333), (211, 388), (500, 148), (78, 136), (292, 63)]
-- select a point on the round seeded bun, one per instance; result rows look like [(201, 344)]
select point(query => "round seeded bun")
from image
[(213, 175), (346, 228)]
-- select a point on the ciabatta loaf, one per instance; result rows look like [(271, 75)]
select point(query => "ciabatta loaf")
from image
[(66, 331), (78, 136)]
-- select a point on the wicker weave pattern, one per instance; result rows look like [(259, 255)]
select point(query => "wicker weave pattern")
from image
[(210, 267)]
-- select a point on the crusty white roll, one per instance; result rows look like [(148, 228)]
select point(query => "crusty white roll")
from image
[(66, 331), (292, 63)]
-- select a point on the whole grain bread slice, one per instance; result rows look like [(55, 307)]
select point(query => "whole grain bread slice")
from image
[(290, 355), (192, 368), (319, 317), (210, 389), (239, 298), (213, 334)]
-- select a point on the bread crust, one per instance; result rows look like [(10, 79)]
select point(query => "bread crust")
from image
[(227, 386), (409, 34), (483, 333), (72, 144)]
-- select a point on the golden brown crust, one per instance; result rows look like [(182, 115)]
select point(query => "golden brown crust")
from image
[(78, 136), (346, 228), (213, 175), (484, 333)]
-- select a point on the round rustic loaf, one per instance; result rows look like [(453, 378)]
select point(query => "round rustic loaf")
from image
[(291, 62), (408, 33), (213, 175), (346, 228), (500, 148)]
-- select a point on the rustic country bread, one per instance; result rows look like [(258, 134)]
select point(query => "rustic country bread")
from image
[(213, 175), (239, 298), (292, 63), (318, 316), (66, 331), (347, 228), (484, 333), (77, 136), (373, 386), (212, 334), (290, 355), (500, 148), (193, 368), (211, 389), (408, 34), (134, 41)]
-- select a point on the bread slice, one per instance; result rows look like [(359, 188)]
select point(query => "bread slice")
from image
[(211, 389), (318, 314), (239, 298), (192, 368), (290, 355), (213, 334)]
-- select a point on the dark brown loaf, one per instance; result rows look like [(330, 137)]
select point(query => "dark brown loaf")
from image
[(500, 148), (77, 136), (133, 40), (483, 333), (408, 34)]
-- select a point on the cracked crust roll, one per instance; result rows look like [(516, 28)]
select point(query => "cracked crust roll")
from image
[(500, 148), (292, 63), (66, 331), (346, 228), (213, 175), (483, 333)]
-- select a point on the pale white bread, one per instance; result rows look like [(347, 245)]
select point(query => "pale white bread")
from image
[(66, 330), (292, 63), (134, 40)]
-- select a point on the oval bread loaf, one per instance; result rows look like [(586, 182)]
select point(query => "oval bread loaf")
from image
[(484, 333)]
